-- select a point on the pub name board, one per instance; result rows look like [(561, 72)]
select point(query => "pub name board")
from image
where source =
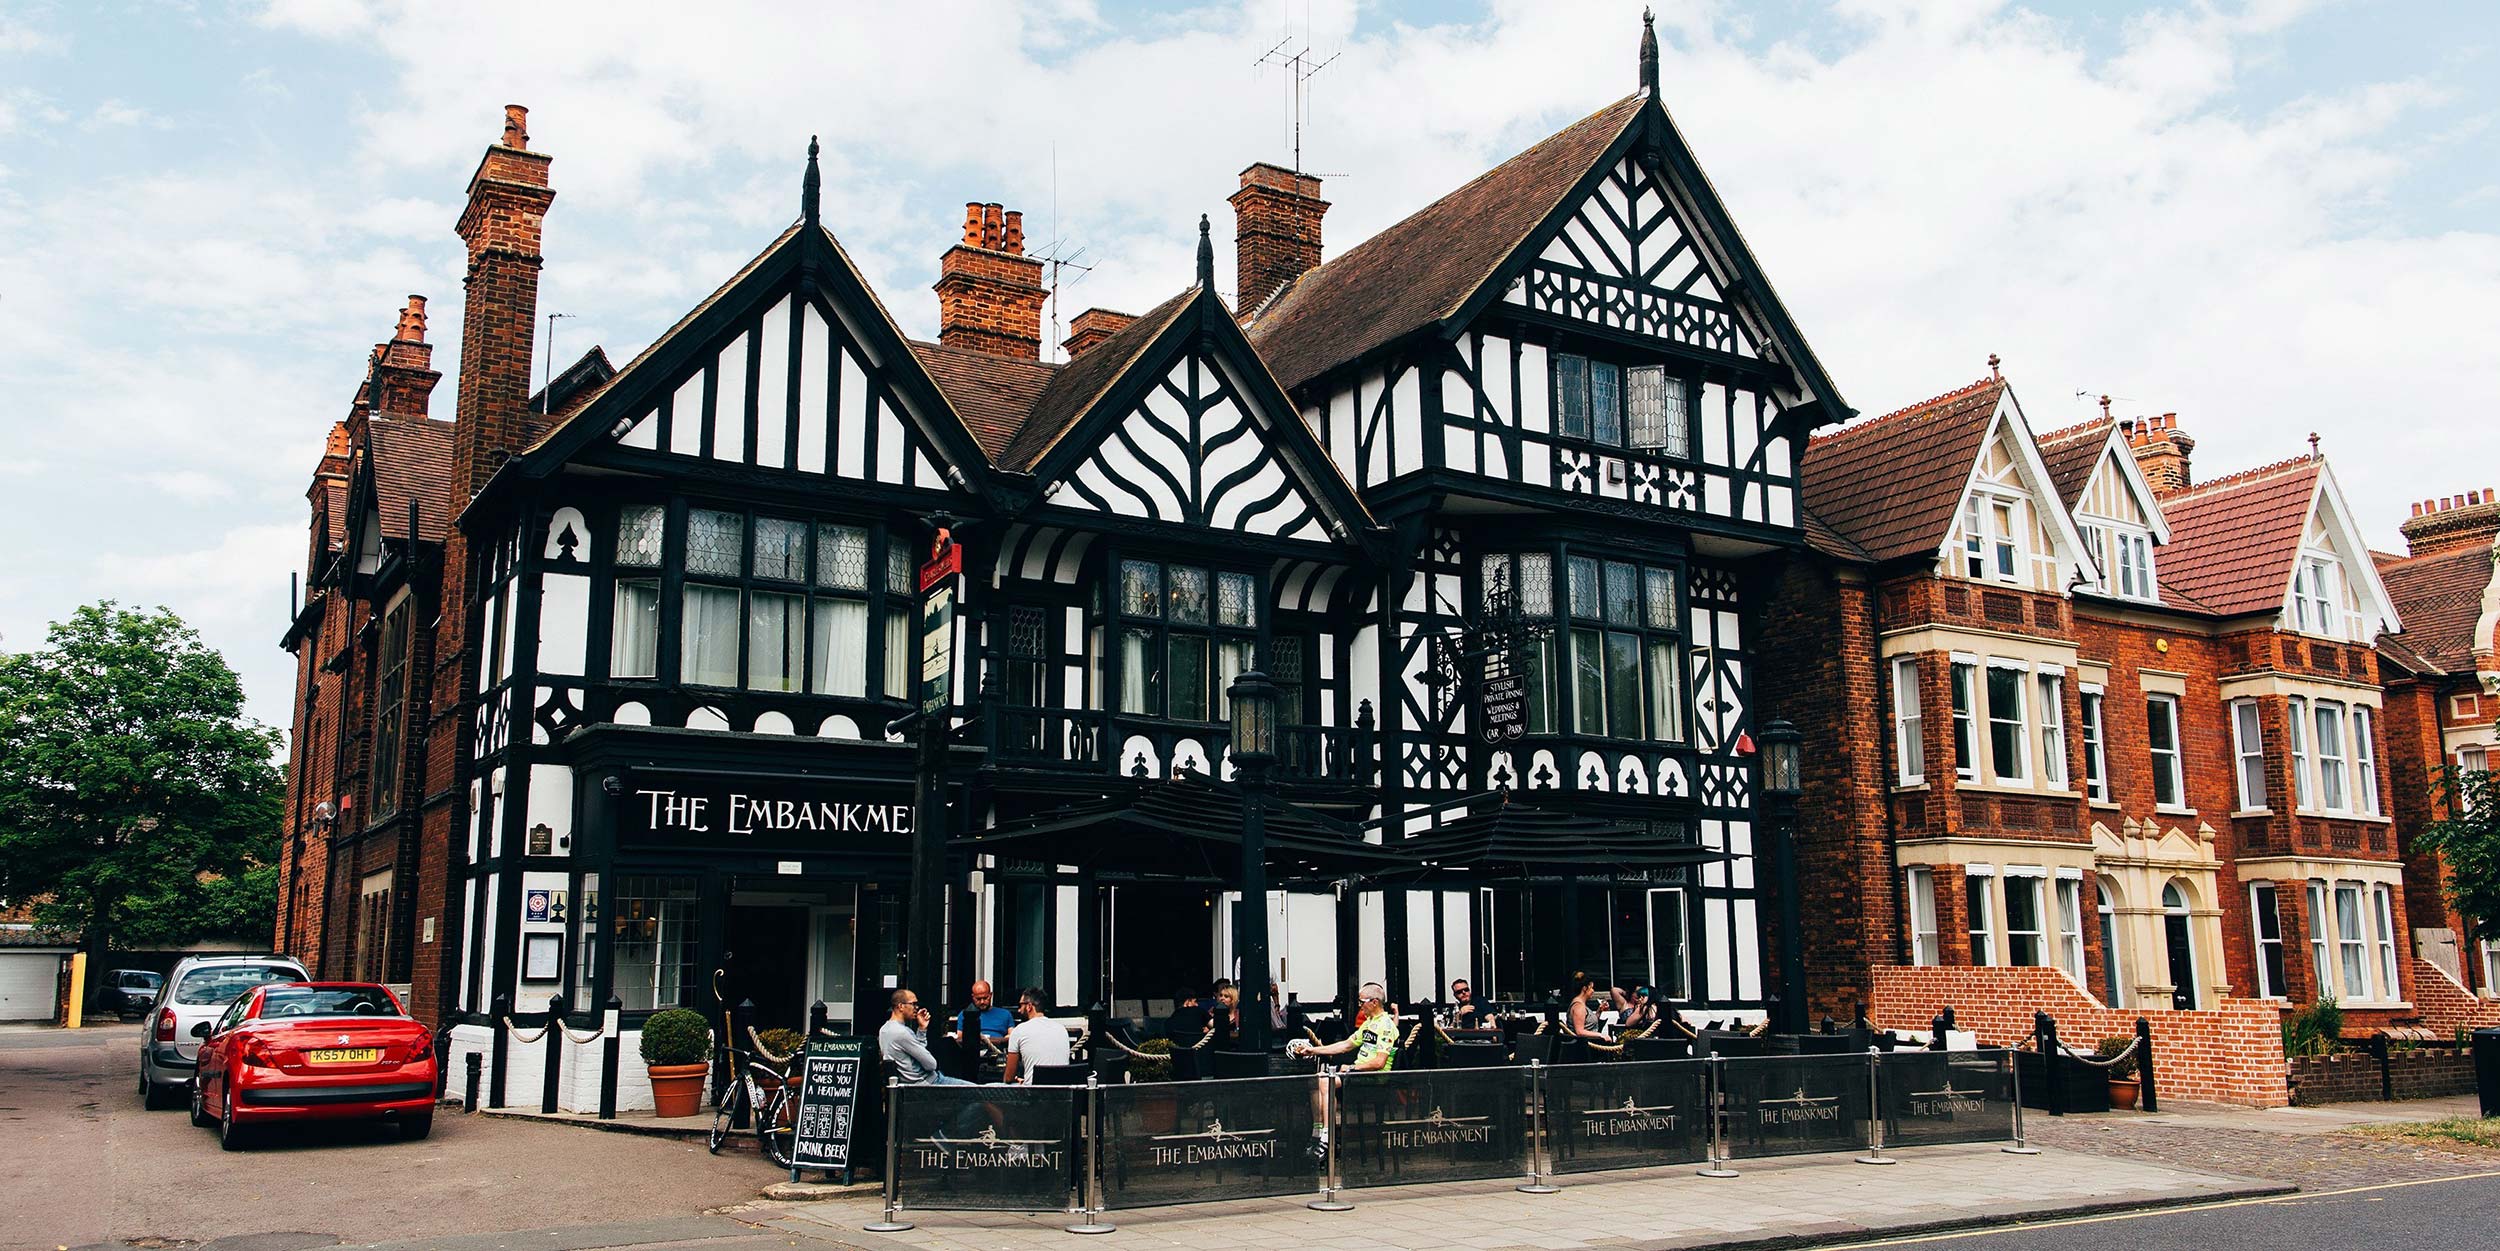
[(765, 814)]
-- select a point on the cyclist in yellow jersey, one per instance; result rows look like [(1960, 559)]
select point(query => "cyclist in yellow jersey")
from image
[(1374, 1044)]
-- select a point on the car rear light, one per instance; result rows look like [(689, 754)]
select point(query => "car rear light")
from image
[(424, 1048), (255, 1052), (165, 1025)]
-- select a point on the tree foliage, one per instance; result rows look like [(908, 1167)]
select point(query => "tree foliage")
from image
[(136, 801), (2468, 843)]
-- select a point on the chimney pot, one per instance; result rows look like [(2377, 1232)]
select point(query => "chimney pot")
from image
[(1093, 326), (990, 294), (1276, 231), (1012, 240), (412, 321), (516, 127)]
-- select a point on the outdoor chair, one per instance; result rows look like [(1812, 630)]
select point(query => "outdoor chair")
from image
[(1658, 1049), (1473, 1055), (1059, 1074), (1533, 1047), (1225, 1065)]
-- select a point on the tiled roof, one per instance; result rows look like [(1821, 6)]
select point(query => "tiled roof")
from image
[(2232, 540), (1890, 485), (993, 394), (1424, 268), (2071, 453), (574, 386), (2439, 598), (1821, 537), (1080, 382), (412, 461)]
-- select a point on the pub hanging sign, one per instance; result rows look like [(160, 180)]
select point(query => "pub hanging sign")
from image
[(765, 814)]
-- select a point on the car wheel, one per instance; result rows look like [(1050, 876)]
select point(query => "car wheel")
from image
[(199, 1108), (230, 1135), (415, 1128)]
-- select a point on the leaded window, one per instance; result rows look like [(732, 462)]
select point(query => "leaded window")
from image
[(1641, 407), (1185, 633), (1523, 583), (390, 699), (1626, 651)]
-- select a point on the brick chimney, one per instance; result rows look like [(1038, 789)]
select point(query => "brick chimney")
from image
[(403, 376), (1093, 326), (989, 292), (2161, 451), (508, 199), (1275, 231), (2452, 522)]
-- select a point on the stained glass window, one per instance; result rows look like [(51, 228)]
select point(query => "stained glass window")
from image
[(639, 530), (713, 542)]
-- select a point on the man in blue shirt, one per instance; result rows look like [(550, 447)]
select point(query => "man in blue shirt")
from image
[(984, 1019)]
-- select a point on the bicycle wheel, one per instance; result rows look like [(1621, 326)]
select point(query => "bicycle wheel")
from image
[(776, 1126), (725, 1115)]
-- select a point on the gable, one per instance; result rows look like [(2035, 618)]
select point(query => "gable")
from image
[(2361, 594), (2008, 469), (1192, 450), (2118, 492), (789, 387), (1621, 259)]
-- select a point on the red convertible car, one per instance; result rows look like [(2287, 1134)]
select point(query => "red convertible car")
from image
[(313, 1051)]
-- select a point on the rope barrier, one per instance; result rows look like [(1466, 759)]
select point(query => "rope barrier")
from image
[(2099, 1062), (583, 1040), (531, 1039), (1205, 1038), (764, 1051)]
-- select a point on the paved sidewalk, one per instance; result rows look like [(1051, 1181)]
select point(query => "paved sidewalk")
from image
[(1800, 1200), (2302, 1146)]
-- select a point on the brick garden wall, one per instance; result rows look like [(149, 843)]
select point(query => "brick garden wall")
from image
[(2355, 1076), (2445, 1006), (2230, 1053)]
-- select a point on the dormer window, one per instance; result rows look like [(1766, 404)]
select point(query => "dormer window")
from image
[(1992, 539), (2135, 564), (2313, 597), (1640, 407)]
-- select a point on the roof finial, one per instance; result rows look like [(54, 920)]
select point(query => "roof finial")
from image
[(1649, 52), (811, 188), (2104, 408), (1206, 255), (2313, 445), (1994, 373)]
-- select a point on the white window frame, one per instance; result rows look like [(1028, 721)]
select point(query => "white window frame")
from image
[(2095, 742), (2248, 754), (2051, 690), (2365, 759), (2383, 938), (2334, 778), (2034, 880), (2352, 951), (2315, 609), (2113, 944), (2020, 722), (2174, 767), (1926, 945), (2466, 707), (1980, 880), (2297, 718), (1993, 547), (2069, 896), (1966, 692), (2135, 565), (2491, 967), (1908, 723), (2321, 938), (2096, 543), (2264, 912)]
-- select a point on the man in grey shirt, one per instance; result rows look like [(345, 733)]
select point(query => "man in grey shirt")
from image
[(903, 1040)]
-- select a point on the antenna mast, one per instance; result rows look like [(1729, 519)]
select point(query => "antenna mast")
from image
[(1300, 67), (1059, 257)]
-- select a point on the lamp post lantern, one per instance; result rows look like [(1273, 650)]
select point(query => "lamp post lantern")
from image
[(1783, 783), (1253, 710)]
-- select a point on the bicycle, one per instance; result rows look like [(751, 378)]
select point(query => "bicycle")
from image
[(758, 1096)]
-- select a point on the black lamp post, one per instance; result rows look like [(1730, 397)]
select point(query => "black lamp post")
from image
[(1783, 784), (1253, 709)]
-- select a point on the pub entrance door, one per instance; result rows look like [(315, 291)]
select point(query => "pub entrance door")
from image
[(1162, 940)]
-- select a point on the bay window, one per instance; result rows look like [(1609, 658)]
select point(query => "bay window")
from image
[(2161, 731), (2026, 937), (2365, 761), (2352, 943), (2331, 778), (1992, 545), (2070, 922), (2383, 938), (1626, 652), (1185, 633), (1640, 407), (634, 635), (2095, 747), (2135, 564), (2053, 729), (1979, 902), (1523, 584), (2006, 721), (2298, 727), (1925, 946), (2267, 922), (2248, 748), (2319, 955), (2313, 597), (1965, 759), (1908, 725)]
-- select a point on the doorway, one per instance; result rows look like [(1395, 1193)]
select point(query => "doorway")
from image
[(1163, 938), (2174, 927), (766, 954)]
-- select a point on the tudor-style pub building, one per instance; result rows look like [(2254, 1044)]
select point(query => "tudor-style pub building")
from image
[(675, 616)]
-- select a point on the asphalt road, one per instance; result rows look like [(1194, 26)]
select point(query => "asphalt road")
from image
[(84, 1164), (2457, 1212)]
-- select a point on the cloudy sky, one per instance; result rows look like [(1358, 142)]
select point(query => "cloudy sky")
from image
[(2271, 217)]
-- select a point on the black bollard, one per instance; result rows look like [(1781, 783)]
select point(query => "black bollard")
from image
[(2052, 1093), (2150, 1101), (746, 1015), (816, 1018), (477, 1073), (502, 1012), (608, 1060), (555, 1054)]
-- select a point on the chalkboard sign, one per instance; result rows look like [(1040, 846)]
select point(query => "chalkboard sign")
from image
[(828, 1105)]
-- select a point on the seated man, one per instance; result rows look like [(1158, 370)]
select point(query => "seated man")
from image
[(1374, 1044), (1188, 1022), (984, 1019), (1465, 1012), (1036, 1040), (903, 1041)]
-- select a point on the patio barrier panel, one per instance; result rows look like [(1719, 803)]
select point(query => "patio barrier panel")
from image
[(1195, 1142), (1626, 1115), (1434, 1125), (985, 1148), (1932, 1098), (1793, 1105)]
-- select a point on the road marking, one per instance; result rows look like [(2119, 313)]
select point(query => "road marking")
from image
[(2026, 1226)]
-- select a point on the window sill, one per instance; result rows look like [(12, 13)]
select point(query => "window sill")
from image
[(2237, 813), (2014, 788), (2107, 804), (1910, 786), (2322, 815), (2173, 811)]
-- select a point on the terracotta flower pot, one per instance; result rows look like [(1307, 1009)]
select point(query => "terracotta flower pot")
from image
[(677, 1089), (2122, 1094)]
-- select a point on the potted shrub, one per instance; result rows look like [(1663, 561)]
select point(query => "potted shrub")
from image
[(675, 1045), (2123, 1085), (1160, 1111)]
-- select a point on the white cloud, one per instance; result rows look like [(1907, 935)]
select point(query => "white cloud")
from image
[(120, 113), (19, 36), (327, 19)]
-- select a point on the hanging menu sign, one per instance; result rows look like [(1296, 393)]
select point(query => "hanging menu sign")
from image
[(765, 814), (1502, 713), (828, 1115)]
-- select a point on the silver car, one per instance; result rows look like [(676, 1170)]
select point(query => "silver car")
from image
[(197, 990)]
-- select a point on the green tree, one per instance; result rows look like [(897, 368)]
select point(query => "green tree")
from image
[(2468, 843), (136, 801)]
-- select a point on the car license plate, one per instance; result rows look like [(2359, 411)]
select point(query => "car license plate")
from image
[(344, 1055)]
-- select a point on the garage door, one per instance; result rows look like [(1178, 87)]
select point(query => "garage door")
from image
[(29, 984)]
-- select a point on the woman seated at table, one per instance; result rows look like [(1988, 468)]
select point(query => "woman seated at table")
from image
[(1227, 1017), (1636, 1009), (1580, 1015)]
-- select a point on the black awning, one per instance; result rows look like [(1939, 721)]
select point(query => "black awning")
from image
[(1501, 836), (1187, 829)]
